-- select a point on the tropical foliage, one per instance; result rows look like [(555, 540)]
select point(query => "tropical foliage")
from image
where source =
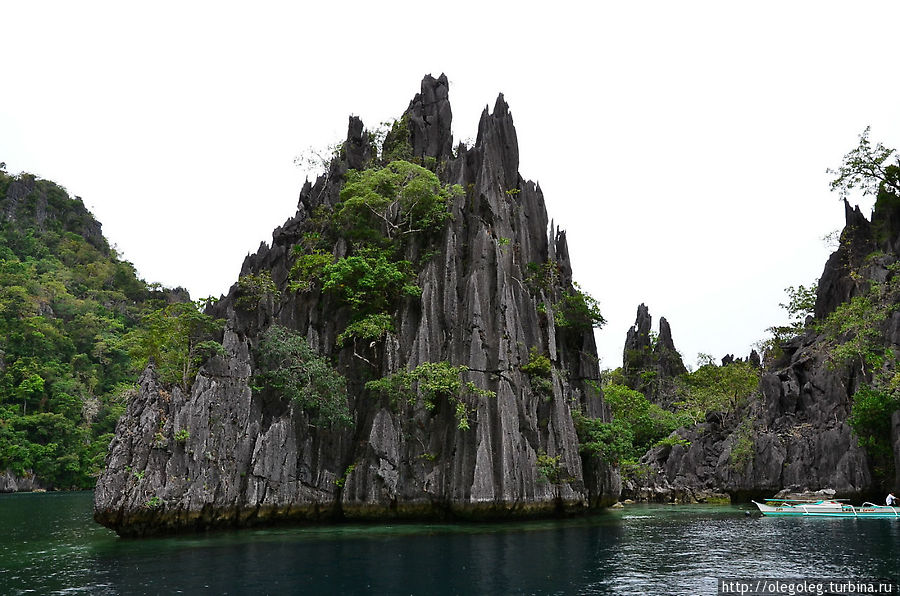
[(286, 366), (71, 315), (381, 210), (383, 204), (867, 169), (719, 390), (540, 373), (637, 424), (431, 382), (176, 338), (853, 336), (253, 288)]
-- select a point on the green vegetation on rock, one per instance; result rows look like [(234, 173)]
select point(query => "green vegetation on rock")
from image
[(742, 448), (396, 145), (801, 304), (371, 328), (613, 441), (854, 337), (637, 424), (551, 470), (540, 373), (382, 209), (177, 339), (431, 381), (719, 390), (577, 309), (853, 332), (870, 418), (308, 267), (370, 282), (253, 288), (382, 205), (865, 168), (286, 366), (573, 308)]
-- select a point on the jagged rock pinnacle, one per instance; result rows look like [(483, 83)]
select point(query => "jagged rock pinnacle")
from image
[(497, 137), (660, 358), (430, 117), (837, 284)]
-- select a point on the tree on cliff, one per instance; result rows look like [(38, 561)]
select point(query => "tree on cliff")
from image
[(867, 168), (177, 338)]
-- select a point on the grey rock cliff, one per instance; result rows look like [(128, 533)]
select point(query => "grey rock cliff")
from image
[(800, 439), (429, 116), (11, 483), (252, 459), (798, 429), (836, 285)]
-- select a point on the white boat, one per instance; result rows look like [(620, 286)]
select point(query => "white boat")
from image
[(824, 508)]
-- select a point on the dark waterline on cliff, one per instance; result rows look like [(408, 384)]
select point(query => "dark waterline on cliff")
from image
[(50, 544)]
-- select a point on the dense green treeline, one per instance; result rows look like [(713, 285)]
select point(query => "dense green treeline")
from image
[(75, 329), (638, 424)]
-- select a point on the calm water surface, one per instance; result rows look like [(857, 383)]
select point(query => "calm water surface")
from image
[(50, 544)]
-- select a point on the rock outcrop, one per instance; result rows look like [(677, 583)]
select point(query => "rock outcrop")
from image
[(837, 285), (11, 483), (651, 363), (222, 454), (47, 205), (796, 434)]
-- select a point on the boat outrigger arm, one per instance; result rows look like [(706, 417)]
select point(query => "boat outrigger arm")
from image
[(825, 508)]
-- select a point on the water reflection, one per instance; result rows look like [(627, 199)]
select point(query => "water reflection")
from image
[(546, 557), (53, 545)]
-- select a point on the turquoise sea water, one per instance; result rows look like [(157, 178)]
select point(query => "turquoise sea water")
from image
[(50, 544)]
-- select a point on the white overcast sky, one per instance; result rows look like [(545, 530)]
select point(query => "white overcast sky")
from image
[(682, 145)]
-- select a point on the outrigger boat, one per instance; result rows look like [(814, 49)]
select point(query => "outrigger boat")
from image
[(824, 508)]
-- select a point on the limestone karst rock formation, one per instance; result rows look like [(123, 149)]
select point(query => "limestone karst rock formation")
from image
[(650, 362), (796, 433), (491, 283)]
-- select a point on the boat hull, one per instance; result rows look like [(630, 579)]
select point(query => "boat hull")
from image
[(829, 509)]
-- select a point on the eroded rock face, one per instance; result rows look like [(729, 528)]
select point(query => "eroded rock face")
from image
[(11, 483), (837, 285), (796, 435), (251, 458)]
